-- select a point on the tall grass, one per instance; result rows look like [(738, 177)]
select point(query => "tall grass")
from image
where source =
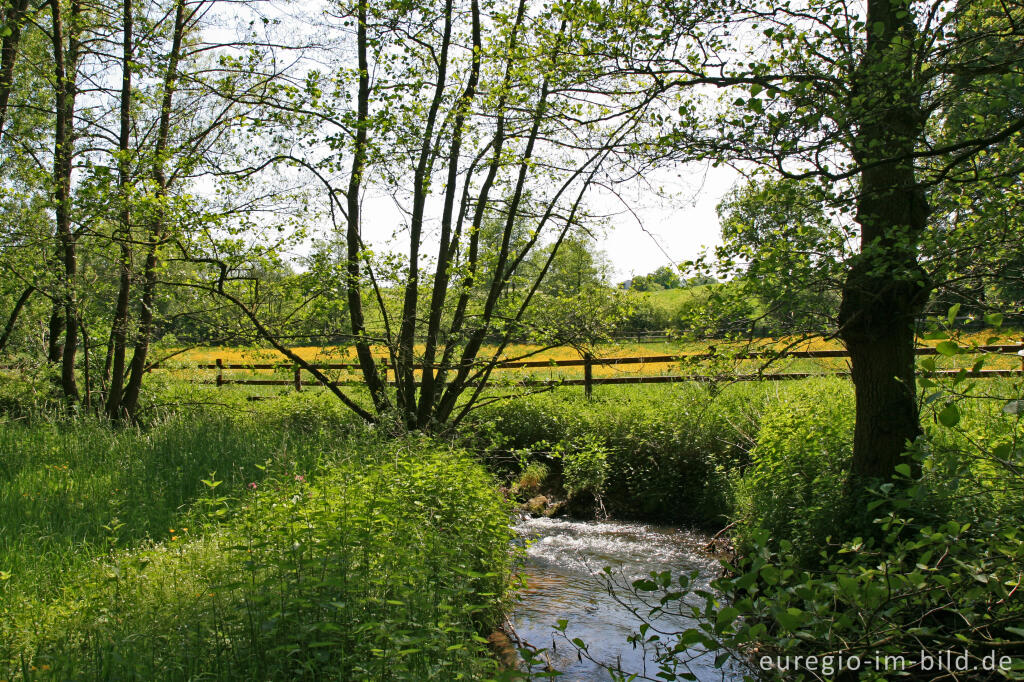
[(276, 545)]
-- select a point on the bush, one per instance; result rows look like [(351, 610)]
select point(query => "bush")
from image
[(585, 467), (26, 393), (668, 452), (921, 601), (798, 467), (927, 589), (306, 556)]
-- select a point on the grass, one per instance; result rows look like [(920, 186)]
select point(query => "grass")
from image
[(669, 300), (273, 545)]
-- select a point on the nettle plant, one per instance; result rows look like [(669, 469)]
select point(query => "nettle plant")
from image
[(585, 467)]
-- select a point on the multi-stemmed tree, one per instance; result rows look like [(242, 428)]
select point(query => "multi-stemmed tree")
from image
[(487, 125)]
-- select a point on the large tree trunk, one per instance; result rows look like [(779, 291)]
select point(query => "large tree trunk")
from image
[(119, 326), (882, 364), (886, 287), (12, 22), (65, 71)]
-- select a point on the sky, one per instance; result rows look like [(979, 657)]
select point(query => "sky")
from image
[(660, 231), (645, 229)]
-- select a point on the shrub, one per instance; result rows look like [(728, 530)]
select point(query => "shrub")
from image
[(314, 557), (921, 601), (927, 590), (585, 468), (668, 451), (798, 467), (25, 393)]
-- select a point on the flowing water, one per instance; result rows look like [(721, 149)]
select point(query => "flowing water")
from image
[(564, 563)]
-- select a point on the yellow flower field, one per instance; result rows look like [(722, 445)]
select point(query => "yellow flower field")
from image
[(183, 364)]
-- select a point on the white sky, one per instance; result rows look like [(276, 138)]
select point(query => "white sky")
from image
[(662, 231), (655, 230)]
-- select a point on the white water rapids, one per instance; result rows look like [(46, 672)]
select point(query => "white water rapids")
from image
[(563, 566)]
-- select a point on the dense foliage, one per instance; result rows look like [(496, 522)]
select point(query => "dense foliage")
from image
[(266, 546)]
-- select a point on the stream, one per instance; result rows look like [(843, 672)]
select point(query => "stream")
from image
[(564, 560)]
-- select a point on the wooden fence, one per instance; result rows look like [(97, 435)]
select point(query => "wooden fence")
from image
[(587, 362)]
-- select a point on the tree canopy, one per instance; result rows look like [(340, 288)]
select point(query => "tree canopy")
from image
[(200, 167)]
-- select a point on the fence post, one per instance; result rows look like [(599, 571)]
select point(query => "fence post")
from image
[(588, 374), (220, 372), (298, 378)]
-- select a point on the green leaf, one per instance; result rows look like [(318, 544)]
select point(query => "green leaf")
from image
[(903, 470), (994, 320), (727, 615), (951, 315), (949, 416), (790, 619), (947, 348), (691, 637)]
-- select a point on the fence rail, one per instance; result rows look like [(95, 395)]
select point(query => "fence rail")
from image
[(587, 362)]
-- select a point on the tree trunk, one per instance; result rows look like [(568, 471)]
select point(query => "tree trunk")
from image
[(55, 332), (353, 241), (446, 249), (119, 326), (886, 287), (13, 319), (12, 21), (130, 401), (404, 374), (882, 364), (65, 68)]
